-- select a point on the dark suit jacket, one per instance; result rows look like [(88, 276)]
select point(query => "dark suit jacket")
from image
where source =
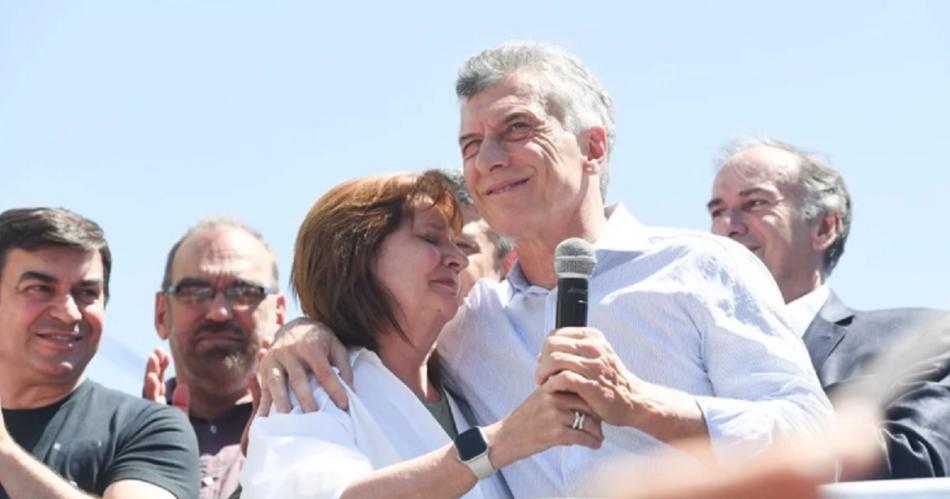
[(842, 341)]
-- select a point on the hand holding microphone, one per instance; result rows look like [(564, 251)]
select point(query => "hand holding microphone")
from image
[(579, 359)]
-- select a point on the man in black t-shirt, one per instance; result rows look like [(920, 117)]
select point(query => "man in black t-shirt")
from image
[(62, 435)]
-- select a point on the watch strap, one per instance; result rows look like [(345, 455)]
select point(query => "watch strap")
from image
[(480, 465)]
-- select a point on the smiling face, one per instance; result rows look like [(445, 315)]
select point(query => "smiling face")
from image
[(526, 172), (214, 344), (52, 309), (418, 265), (756, 201)]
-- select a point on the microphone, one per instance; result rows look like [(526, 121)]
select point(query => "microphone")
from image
[(574, 262)]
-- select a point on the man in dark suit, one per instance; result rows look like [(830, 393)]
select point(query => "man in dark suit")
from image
[(793, 211)]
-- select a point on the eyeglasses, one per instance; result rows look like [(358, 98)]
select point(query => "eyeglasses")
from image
[(238, 296)]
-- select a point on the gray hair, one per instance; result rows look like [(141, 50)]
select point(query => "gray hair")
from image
[(211, 223), (456, 181), (823, 190), (580, 100)]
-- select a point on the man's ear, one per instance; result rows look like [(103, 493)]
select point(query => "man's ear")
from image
[(162, 316), (281, 309), (826, 230), (594, 149)]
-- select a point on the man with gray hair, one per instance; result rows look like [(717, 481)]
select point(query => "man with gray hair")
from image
[(219, 304), (686, 339), (793, 211)]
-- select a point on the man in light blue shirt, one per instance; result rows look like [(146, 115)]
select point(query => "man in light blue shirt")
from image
[(686, 336)]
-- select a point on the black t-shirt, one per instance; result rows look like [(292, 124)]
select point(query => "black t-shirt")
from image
[(97, 436)]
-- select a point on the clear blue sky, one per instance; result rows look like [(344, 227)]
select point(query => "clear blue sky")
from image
[(145, 116)]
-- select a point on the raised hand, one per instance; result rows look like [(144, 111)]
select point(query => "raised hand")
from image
[(154, 386)]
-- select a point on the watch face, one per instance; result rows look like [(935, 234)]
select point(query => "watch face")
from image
[(470, 444)]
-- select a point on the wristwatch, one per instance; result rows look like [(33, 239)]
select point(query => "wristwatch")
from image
[(473, 452)]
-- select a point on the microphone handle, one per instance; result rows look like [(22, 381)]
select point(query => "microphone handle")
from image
[(571, 302)]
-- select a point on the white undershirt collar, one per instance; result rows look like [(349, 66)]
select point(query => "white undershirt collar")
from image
[(802, 310)]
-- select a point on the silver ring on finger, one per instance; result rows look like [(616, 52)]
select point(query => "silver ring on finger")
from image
[(578, 420)]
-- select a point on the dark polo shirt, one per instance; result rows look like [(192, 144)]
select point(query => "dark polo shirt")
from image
[(219, 447)]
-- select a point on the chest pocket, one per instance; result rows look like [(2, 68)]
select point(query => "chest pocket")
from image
[(80, 462)]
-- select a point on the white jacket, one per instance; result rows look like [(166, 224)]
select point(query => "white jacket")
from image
[(318, 454)]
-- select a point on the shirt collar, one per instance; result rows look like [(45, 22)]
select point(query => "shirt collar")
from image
[(803, 310), (518, 280), (171, 383), (622, 233)]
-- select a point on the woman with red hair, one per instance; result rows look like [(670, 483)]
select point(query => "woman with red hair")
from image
[(375, 261)]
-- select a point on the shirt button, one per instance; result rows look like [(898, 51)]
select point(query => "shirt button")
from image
[(213, 429)]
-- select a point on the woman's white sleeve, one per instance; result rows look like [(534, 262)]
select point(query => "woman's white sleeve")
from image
[(302, 455)]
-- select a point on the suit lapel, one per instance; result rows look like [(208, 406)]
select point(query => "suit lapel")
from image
[(825, 333)]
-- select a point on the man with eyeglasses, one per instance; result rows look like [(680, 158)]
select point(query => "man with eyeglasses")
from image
[(63, 435), (218, 307)]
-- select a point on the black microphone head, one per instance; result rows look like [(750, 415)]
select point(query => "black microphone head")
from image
[(574, 257)]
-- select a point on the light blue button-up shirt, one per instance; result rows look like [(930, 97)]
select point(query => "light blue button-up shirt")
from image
[(683, 309)]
